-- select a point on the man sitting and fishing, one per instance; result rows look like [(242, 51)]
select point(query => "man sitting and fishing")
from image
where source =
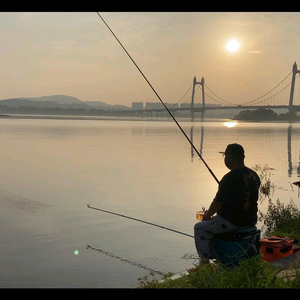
[(235, 202)]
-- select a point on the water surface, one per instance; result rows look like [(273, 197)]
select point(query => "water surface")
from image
[(52, 168)]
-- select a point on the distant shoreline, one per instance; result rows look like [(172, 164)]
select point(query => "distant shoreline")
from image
[(130, 118), (263, 114)]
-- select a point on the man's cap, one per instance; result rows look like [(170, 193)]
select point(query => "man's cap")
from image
[(236, 150)]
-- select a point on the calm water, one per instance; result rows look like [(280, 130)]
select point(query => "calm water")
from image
[(52, 168)]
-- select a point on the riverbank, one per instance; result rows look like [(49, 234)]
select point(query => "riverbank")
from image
[(250, 273)]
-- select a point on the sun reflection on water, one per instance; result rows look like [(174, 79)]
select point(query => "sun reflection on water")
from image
[(230, 124)]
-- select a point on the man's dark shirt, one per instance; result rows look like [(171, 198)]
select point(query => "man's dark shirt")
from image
[(237, 187)]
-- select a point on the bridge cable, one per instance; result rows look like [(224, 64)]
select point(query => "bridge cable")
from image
[(275, 94), (216, 99), (268, 91), (227, 102), (211, 172), (218, 96), (184, 93), (199, 86), (191, 96)]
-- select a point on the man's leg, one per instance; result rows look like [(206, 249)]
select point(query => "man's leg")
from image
[(204, 232)]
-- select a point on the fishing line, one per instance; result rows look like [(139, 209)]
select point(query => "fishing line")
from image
[(138, 220), (211, 172), (125, 260)]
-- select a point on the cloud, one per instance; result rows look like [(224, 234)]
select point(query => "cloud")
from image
[(254, 51)]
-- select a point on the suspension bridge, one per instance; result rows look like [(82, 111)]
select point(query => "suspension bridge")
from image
[(279, 97)]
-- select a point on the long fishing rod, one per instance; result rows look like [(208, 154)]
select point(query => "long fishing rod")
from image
[(211, 172), (138, 220)]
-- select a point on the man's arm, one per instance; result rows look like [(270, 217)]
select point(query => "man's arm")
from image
[(215, 206)]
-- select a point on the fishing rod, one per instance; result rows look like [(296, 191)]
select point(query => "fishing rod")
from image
[(211, 172), (138, 220)]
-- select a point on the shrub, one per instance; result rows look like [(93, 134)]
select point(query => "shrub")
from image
[(282, 220), (266, 187)]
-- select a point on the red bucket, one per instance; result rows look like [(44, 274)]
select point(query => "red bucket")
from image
[(275, 247)]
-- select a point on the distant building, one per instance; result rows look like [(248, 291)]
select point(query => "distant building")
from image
[(172, 105), (137, 105), (185, 105), (154, 105)]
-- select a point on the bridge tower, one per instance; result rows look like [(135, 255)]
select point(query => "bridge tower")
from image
[(195, 82), (295, 71)]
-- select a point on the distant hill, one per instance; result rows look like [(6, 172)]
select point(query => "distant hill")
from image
[(105, 106), (98, 104), (15, 102), (60, 101)]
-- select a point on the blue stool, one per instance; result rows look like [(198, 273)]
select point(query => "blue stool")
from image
[(230, 247)]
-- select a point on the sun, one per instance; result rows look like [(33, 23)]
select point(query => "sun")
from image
[(232, 45)]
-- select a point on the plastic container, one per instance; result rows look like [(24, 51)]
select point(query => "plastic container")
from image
[(231, 247), (275, 247)]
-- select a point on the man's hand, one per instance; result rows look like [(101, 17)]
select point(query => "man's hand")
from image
[(206, 217), (215, 206)]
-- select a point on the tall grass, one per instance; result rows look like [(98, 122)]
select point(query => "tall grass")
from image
[(250, 273)]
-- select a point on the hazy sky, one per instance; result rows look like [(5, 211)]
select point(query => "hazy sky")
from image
[(74, 54)]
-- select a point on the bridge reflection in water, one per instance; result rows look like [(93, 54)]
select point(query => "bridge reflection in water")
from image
[(291, 167)]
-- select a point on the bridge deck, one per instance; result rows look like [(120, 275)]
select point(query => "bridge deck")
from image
[(200, 109)]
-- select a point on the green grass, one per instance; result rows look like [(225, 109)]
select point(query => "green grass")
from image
[(250, 273)]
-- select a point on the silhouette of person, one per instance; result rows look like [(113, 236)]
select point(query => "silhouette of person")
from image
[(235, 202)]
